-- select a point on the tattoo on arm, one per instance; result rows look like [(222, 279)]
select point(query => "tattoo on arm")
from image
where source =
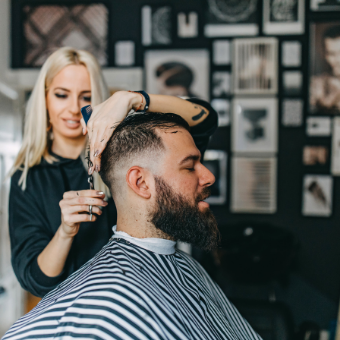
[(200, 115)]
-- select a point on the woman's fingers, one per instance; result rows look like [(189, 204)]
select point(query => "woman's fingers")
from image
[(73, 209), (78, 218), (83, 201), (83, 193)]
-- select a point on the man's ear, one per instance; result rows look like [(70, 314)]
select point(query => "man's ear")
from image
[(137, 180)]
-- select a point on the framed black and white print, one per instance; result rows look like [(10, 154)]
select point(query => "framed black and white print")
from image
[(325, 5), (317, 195), (253, 185), (255, 66), (178, 72), (222, 107), (324, 83), (216, 162), (221, 83), (47, 27), (283, 17), (226, 18), (254, 126), (156, 25)]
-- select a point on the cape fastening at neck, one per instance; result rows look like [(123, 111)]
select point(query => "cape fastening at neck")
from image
[(156, 245)]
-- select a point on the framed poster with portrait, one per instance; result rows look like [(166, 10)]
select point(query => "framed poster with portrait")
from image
[(254, 126), (226, 18), (216, 162), (324, 81), (178, 72), (255, 66), (283, 17)]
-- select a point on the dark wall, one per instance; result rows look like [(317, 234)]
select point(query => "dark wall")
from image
[(314, 290)]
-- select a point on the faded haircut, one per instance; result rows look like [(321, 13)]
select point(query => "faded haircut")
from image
[(133, 138)]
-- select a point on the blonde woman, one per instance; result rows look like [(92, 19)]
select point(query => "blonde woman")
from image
[(51, 233)]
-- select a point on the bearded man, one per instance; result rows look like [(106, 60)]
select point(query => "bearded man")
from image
[(139, 286)]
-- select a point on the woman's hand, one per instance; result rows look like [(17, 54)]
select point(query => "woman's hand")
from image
[(73, 206), (105, 117)]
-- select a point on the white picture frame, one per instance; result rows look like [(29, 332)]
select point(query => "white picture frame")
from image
[(222, 107), (255, 126), (317, 195), (194, 61), (255, 66), (335, 159), (253, 185), (319, 126), (284, 22), (216, 162), (325, 6)]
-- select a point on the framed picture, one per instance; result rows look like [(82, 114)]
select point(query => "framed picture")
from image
[(254, 125), (124, 53), (317, 195), (291, 53), (187, 25), (292, 82), (231, 18), (292, 112), (324, 87), (319, 126), (283, 17), (47, 27), (335, 162), (222, 107), (325, 5), (255, 66), (221, 84), (156, 25), (178, 72), (221, 52), (216, 162), (315, 155), (253, 185)]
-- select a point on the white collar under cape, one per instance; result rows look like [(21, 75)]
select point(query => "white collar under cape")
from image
[(157, 245)]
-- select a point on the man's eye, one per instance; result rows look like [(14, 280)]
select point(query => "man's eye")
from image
[(59, 95), (191, 169)]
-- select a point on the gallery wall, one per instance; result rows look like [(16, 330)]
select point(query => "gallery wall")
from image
[(286, 45)]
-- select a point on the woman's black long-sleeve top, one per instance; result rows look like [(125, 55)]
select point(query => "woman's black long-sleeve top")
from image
[(35, 216)]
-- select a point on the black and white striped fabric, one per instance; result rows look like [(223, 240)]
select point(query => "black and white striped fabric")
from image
[(127, 292)]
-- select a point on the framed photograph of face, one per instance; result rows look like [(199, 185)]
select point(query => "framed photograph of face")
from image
[(283, 17), (231, 18), (253, 185), (317, 195), (254, 126), (324, 87), (216, 162), (325, 5), (178, 72), (255, 66)]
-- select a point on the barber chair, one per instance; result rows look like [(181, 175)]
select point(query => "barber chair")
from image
[(254, 257)]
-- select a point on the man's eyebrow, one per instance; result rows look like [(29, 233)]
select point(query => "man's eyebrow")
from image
[(190, 158)]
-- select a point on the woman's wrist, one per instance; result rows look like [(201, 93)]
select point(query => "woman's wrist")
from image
[(61, 234), (137, 101)]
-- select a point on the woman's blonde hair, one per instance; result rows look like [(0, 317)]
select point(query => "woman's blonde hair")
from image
[(36, 143)]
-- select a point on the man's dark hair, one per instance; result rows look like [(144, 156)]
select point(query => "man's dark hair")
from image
[(134, 136), (333, 32)]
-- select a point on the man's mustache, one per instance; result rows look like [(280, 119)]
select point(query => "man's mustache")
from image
[(206, 192)]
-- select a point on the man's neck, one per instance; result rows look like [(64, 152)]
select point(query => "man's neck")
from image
[(139, 228)]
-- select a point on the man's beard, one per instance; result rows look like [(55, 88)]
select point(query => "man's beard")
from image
[(179, 219)]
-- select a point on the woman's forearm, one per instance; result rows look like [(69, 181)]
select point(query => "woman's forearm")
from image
[(191, 112), (52, 259)]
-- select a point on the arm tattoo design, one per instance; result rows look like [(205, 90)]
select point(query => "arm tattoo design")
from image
[(200, 115)]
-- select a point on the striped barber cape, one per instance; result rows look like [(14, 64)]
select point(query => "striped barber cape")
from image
[(129, 292)]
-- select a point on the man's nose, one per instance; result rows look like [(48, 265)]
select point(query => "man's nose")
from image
[(206, 177)]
